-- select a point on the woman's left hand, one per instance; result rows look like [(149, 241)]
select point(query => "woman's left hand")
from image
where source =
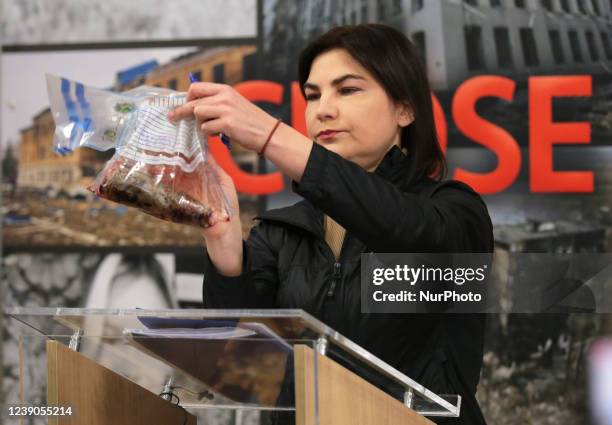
[(219, 108)]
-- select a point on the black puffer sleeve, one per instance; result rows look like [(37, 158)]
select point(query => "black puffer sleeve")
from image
[(257, 285), (451, 218)]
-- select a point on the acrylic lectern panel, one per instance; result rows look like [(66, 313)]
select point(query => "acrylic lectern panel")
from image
[(221, 358)]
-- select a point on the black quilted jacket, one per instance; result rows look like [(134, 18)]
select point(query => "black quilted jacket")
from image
[(287, 264)]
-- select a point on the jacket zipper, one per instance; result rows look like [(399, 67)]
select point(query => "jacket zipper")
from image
[(335, 276)]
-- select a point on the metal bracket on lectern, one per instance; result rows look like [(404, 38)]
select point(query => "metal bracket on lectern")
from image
[(75, 340), (168, 391), (321, 345), (409, 398)]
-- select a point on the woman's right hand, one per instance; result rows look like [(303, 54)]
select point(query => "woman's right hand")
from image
[(224, 239)]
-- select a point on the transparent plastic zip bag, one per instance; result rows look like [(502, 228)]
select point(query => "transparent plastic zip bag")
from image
[(85, 116), (159, 166)]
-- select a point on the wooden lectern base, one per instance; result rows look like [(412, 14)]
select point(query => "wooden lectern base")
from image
[(344, 398), (99, 396)]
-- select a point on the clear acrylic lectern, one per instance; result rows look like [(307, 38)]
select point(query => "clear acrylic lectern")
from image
[(141, 365)]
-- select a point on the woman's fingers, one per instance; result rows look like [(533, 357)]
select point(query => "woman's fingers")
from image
[(198, 94), (204, 89), (219, 108), (225, 180), (203, 112), (213, 127), (182, 112), (186, 110)]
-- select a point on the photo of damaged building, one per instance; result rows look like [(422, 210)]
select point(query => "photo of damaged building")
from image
[(40, 167), (70, 214), (459, 39)]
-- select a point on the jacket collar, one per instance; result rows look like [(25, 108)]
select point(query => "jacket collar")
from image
[(396, 167)]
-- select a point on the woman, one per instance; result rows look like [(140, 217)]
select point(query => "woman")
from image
[(370, 175)]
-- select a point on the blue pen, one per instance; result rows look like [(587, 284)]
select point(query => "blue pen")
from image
[(224, 138)]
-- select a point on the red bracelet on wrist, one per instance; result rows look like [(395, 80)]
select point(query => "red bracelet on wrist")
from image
[(265, 145)]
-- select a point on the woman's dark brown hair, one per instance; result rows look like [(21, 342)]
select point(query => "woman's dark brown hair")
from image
[(395, 63)]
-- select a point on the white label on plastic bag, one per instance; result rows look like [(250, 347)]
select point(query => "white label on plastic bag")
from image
[(157, 140)]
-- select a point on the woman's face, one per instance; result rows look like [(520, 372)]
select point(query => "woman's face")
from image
[(349, 112)]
